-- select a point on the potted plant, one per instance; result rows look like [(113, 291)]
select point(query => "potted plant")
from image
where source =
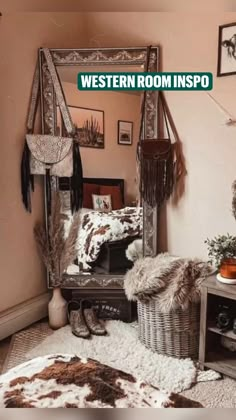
[(222, 248), (58, 251), (222, 253)]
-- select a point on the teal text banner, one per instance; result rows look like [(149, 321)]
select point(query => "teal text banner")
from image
[(145, 81)]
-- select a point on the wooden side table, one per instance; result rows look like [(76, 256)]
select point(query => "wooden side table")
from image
[(211, 353)]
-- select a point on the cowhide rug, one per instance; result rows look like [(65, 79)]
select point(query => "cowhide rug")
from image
[(66, 381)]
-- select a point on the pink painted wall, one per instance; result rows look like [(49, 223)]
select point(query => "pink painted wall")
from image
[(121, 6)]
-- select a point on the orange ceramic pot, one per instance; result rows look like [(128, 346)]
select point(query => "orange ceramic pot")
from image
[(228, 268)]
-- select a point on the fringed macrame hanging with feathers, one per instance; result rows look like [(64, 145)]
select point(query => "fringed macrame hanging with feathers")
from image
[(159, 164), (51, 155)]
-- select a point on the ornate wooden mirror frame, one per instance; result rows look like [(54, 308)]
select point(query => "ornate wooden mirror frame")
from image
[(93, 57)]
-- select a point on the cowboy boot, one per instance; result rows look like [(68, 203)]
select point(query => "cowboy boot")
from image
[(76, 320), (94, 325)]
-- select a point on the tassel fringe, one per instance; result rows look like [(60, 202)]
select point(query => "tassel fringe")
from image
[(157, 180), (27, 180), (48, 191), (76, 192)]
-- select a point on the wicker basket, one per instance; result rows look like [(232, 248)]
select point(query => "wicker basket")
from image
[(174, 334)]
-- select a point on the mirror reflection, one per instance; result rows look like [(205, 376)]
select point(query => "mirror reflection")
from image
[(107, 128)]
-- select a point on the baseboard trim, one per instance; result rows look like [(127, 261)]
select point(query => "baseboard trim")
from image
[(23, 315)]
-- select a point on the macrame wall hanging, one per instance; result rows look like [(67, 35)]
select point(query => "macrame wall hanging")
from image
[(51, 155), (161, 165)]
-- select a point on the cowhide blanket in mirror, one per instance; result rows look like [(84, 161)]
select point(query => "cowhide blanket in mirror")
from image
[(97, 228), (66, 381)]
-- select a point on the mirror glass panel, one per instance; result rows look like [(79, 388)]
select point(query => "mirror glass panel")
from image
[(107, 124)]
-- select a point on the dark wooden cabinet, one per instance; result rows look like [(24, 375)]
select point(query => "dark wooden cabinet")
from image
[(109, 303), (106, 291), (113, 258)]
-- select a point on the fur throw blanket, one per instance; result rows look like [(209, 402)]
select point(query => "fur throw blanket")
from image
[(135, 250), (173, 281)]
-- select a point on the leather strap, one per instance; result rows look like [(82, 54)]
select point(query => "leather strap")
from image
[(33, 103), (144, 93), (166, 119), (58, 91)]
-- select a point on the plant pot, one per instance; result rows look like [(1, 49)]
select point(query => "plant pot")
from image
[(57, 310), (228, 268)]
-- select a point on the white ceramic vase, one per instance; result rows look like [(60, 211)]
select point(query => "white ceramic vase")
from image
[(57, 310)]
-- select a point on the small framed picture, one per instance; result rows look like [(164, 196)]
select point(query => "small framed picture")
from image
[(125, 132), (88, 123), (227, 50)]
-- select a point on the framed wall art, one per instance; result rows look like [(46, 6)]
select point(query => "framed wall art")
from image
[(125, 132), (89, 125), (227, 50)]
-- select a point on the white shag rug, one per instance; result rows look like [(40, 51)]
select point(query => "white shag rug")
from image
[(122, 350)]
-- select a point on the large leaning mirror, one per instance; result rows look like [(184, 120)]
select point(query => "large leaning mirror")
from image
[(107, 124)]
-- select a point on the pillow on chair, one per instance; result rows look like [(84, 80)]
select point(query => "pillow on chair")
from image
[(102, 203)]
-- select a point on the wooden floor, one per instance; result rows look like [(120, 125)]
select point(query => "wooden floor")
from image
[(4, 347)]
